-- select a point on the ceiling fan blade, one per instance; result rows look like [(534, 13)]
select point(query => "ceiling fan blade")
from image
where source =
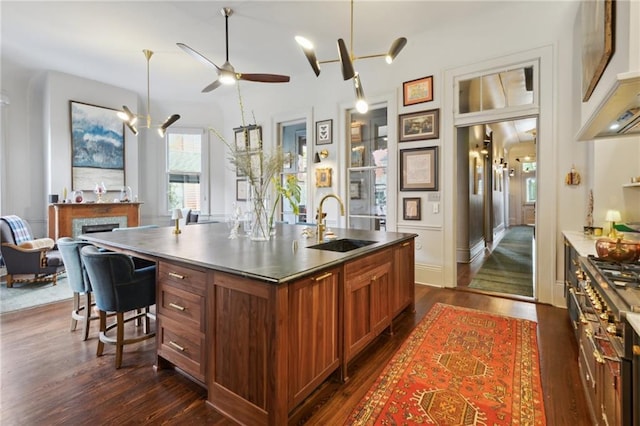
[(197, 55), (345, 60), (265, 78), (212, 86)]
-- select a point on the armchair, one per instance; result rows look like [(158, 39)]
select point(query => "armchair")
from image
[(25, 255)]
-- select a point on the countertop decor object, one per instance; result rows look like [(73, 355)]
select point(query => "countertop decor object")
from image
[(176, 215), (261, 168), (618, 250), (613, 216)]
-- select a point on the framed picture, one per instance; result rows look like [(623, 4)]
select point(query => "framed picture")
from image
[(255, 137), (598, 42), (411, 209), (354, 190), (417, 91), (324, 132), (323, 177), (242, 190), (357, 156), (356, 132), (241, 138), (256, 165), (419, 169), (419, 125), (97, 147)]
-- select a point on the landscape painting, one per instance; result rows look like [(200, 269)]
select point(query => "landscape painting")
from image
[(97, 147)]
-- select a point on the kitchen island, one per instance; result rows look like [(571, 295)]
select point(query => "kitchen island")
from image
[(262, 324)]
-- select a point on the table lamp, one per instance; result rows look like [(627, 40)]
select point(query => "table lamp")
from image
[(613, 216), (177, 215)]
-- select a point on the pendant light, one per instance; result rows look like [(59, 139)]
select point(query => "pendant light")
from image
[(130, 119), (346, 59)]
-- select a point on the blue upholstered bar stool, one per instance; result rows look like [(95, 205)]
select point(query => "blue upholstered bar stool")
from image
[(119, 287), (78, 282)]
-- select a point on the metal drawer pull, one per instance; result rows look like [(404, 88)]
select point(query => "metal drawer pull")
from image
[(323, 276), (178, 307), (175, 345), (405, 244), (178, 276)]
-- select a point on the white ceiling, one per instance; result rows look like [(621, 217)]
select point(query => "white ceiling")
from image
[(103, 41)]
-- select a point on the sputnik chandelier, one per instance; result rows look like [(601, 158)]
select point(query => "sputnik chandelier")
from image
[(346, 59), (130, 119)]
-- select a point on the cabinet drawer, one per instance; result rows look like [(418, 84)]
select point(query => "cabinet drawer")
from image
[(183, 277), (182, 346), (368, 263), (181, 305)]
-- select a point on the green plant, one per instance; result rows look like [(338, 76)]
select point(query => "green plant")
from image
[(290, 190)]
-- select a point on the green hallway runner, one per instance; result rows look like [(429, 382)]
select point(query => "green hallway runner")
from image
[(509, 267)]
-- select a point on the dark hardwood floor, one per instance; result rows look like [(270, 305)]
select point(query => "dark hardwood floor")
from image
[(50, 376)]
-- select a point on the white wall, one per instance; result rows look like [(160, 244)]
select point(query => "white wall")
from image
[(438, 49)]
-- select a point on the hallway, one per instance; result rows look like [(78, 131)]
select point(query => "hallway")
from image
[(506, 268)]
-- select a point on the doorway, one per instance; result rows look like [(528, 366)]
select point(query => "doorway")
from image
[(496, 116), (498, 253)]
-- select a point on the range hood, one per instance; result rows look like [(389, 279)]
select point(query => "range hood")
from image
[(619, 112)]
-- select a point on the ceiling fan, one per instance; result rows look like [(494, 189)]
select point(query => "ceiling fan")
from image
[(226, 73)]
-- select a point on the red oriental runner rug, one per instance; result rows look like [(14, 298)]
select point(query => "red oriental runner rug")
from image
[(459, 367)]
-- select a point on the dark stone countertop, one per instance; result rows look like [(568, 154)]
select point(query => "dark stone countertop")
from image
[(207, 245)]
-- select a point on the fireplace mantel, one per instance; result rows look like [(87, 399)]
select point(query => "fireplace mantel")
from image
[(67, 219)]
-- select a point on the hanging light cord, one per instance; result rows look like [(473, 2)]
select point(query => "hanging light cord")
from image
[(147, 54)]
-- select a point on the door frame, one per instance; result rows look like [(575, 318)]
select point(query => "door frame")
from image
[(545, 248)]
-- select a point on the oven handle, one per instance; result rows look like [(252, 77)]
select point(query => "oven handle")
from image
[(599, 356), (573, 293)]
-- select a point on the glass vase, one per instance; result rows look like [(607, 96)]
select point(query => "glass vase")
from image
[(260, 229)]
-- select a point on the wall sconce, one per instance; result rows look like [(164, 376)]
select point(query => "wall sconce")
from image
[(176, 215), (485, 148), (320, 156)]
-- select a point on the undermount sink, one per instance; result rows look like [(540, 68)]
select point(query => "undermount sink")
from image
[(342, 245)]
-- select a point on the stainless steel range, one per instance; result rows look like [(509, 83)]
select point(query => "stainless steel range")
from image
[(606, 292)]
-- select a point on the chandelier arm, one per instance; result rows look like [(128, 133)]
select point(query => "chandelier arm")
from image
[(148, 54), (329, 61), (351, 42), (379, 55)]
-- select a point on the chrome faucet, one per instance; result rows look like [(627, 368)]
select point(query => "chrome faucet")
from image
[(320, 227)]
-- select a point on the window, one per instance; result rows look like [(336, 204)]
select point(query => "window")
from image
[(531, 189), (497, 90), (185, 169)]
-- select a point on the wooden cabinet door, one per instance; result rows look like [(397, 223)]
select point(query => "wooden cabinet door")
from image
[(314, 350), (402, 287), (366, 304), (380, 301)]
